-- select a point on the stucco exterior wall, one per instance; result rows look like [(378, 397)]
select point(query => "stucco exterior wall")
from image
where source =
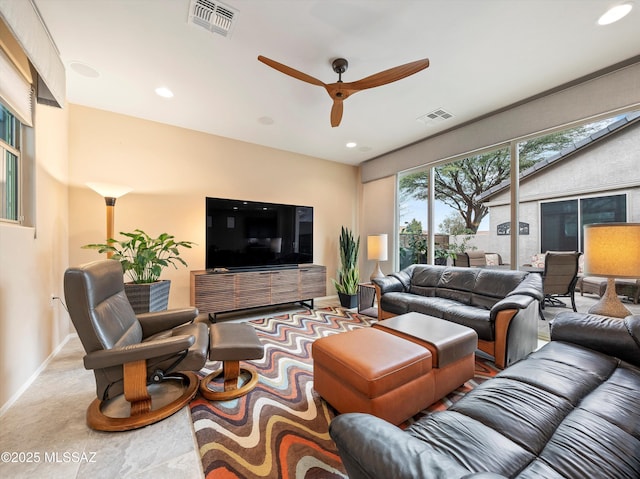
[(607, 167)]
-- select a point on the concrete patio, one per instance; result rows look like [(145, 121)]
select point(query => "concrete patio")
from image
[(583, 303)]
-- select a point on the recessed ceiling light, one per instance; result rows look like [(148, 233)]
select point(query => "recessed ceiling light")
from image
[(164, 92), (84, 70), (266, 120), (351, 144), (615, 13)]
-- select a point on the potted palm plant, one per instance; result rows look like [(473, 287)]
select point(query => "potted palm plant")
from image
[(143, 258), (348, 275)]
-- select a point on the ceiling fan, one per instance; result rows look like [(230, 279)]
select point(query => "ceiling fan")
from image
[(340, 91)]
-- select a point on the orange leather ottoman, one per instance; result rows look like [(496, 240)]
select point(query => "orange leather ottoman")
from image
[(452, 345), (368, 370)]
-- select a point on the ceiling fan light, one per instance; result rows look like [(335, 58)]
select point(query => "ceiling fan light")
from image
[(351, 144), (615, 13)]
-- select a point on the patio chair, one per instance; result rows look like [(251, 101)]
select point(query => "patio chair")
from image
[(559, 278), (477, 258), (461, 259), (470, 259)]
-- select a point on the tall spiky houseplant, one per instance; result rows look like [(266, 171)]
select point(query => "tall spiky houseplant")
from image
[(348, 275)]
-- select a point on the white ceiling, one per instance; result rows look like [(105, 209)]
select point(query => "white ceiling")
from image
[(484, 54)]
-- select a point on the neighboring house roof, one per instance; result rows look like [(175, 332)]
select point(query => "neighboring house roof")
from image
[(587, 142)]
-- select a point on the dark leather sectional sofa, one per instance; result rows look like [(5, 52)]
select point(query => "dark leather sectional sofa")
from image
[(569, 410), (500, 305)]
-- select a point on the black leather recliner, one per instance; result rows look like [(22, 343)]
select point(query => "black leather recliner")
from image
[(142, 364)]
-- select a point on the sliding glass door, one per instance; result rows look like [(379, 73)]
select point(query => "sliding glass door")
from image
[(562, 222)]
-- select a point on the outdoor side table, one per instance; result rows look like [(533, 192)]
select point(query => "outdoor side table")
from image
[(367, 300)]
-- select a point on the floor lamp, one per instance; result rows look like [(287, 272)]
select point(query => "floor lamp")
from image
[(377, 250), (612, 250), (110, 193)]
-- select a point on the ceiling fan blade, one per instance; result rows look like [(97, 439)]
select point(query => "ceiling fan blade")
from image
[(290, 71), (390, 75), (336, 112)]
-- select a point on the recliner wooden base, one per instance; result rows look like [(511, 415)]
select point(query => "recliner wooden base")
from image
[(113, 415), (232, 390)]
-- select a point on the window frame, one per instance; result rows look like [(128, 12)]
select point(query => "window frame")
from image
[(16, 188), (580, 213)]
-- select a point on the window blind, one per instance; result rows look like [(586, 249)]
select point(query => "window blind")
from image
[(23, 20), (16, 94)]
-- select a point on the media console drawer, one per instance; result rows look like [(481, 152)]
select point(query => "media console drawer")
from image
[(221, 292)]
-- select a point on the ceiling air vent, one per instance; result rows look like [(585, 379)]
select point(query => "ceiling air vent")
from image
[(436, 115), (213, 16)]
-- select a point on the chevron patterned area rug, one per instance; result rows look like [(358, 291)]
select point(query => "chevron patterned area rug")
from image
[(280, 429)]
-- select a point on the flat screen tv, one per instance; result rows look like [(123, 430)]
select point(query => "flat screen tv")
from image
[(253, 235)]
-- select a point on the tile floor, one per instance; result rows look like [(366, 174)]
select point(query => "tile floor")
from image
[(46, 425), (44, 431)]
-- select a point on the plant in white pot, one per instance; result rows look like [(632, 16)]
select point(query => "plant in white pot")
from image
[(348, 275), (143, 259)]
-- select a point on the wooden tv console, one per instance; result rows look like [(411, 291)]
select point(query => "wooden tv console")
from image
[(227, 291)]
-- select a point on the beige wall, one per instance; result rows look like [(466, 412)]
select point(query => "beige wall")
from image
[(378, 217), (33, 261), (172, 170)]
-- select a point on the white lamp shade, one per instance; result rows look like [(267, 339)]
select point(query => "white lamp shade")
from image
[(377, 247), (612, 250), (109, 190)]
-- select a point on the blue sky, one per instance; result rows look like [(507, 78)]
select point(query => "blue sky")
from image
[(418, 209)]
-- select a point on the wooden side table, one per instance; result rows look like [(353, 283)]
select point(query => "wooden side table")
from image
[(367, 300)]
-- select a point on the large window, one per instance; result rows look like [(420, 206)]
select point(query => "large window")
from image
[(10, 166), (458, 210), (413, 206), (466, 203), (562, 221)]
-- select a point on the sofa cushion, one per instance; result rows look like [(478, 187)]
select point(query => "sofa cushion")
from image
[(425, 279), (492, 259), (523, 413), (550, 367), (457, 284), (471, 442), (618, 400), (613, 336), (493, 285), (430, 306), (472, 317), (584, 436), (404, 276), (396, 303)]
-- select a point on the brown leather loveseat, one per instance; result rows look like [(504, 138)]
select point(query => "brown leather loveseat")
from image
[(500, 305)]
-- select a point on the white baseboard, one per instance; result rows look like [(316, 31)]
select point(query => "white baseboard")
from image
[(35, 375)]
